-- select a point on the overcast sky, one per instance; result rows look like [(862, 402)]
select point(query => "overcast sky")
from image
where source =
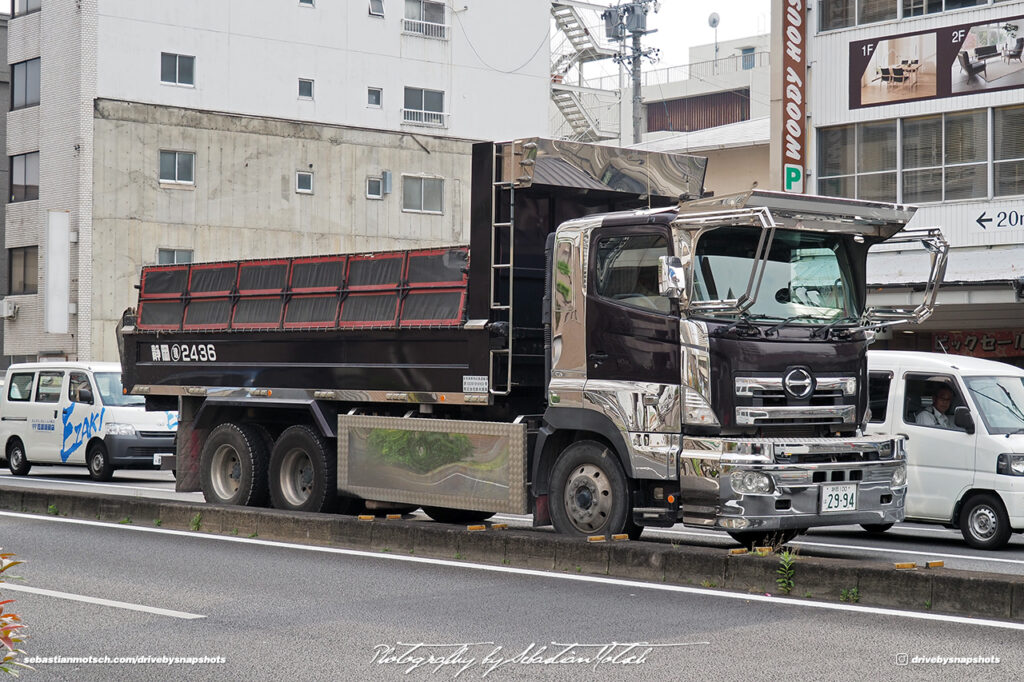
[(683, 23)]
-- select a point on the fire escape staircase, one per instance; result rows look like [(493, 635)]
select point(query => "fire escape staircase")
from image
[(581, 47)]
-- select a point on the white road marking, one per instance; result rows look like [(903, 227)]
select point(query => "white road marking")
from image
[(102, 602), (120, 486), (619, 582)]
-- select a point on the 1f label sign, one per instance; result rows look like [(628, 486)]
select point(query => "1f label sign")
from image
[(794, 181)]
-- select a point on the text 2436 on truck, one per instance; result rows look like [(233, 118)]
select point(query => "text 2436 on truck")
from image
[(612, 350)]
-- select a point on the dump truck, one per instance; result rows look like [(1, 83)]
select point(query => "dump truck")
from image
[(615, 348)]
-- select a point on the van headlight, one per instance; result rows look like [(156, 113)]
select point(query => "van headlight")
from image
[(750, 482), (116, 429), (1010, 464)]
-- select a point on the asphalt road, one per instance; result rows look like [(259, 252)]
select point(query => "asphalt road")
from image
[(259, 610), (905, 542)]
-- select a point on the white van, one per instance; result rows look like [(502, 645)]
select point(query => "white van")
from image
[(964, 422), (76, 413)]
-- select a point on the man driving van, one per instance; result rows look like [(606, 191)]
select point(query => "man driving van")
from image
[(935, 414)]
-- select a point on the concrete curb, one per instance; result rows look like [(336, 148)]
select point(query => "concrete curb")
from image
[(936, 590)]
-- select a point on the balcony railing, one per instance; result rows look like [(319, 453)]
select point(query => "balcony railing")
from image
[(708, 71), (434, 119), (426, 29)]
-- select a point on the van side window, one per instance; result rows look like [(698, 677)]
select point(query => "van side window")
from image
[(21, 387), (48, 390), (79, 389), (930, 401), (878, 395)]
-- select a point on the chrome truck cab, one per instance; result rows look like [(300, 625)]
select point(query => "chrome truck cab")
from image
[(725, 339)]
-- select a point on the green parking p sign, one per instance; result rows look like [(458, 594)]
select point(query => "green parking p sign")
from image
[(794, 178)]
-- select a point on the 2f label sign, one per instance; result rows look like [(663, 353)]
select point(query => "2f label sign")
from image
[(794, 178)]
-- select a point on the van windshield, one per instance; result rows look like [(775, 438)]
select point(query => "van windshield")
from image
[(1000, 401), (109, 385)]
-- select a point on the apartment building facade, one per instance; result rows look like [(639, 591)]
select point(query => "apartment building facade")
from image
[(196, 130)]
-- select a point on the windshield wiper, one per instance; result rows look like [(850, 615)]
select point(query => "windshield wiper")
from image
[(745, 320), (1011, 409), (786, 321), (826, 331)]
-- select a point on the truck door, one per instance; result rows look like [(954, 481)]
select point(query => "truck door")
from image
[(632, 331), (45, 424), (940, 456)]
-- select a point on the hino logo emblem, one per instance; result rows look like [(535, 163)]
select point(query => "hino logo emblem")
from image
[(798, 383)]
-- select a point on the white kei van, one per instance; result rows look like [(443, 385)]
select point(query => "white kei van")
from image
[(964, 422), (76, 413)]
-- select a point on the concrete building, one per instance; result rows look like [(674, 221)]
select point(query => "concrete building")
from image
[(920, 103), (196, 130)]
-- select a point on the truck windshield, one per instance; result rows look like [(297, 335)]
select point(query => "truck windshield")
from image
[(807, 276), (109, 385), (1000, 401)]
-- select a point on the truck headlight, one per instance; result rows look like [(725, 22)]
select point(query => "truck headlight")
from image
[(116, 429), (899, 476), (1010, 464), (750, 482)]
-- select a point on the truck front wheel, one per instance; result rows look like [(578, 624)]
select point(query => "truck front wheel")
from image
[(589, 494), (303, 471), (233, 466)]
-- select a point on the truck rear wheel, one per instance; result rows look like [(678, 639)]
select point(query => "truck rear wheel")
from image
[(588, 492), (446, 515), (303, 471), (233, 466), (984, 523)]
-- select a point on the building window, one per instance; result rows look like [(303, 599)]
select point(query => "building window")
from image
[(24, 270), (177, 167), (945, 157), (25, 177), (858, 161), (833, 14), (1009, 145), (425, 18), (870, 11), (747, 59), (305, 88), (173, 256), (374, 187), (304, 182), (374, 98), (177, 68), (25, 84), (377, 8), (26, 6), (424, 107), (423, 195), (307, 3)]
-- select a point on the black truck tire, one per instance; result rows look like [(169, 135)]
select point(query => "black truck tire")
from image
[(589, 494), (98, 461), (984, 523), (446, 515), (233, 466), (16, 459), (303, 471)]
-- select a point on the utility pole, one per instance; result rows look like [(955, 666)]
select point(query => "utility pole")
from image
[(631, 18)]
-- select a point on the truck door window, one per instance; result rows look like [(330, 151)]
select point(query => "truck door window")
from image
[(878, 395), (20, 389), (77, 381), (48, 390), (929, 400), (627, 270)]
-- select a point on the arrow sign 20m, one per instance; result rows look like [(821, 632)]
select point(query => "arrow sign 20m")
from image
[(1000, 219)]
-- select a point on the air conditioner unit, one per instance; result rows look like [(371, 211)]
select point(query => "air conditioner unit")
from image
[(8, 309)]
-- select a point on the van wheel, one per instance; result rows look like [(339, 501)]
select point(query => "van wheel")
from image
[(589, 495), (233, 466), (984, 523), (16, 459), (303, 471), (876, 528), (99, 463)]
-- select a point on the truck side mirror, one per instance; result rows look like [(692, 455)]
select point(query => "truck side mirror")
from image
[(671, 278), (962, 419)]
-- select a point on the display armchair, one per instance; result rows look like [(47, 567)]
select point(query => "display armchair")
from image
[(1014, 52), (970, 67)]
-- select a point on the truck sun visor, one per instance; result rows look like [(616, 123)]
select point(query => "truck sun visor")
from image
[(393, 289)]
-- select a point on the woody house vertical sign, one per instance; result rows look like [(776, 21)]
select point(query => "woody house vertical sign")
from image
[(794, 78)]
